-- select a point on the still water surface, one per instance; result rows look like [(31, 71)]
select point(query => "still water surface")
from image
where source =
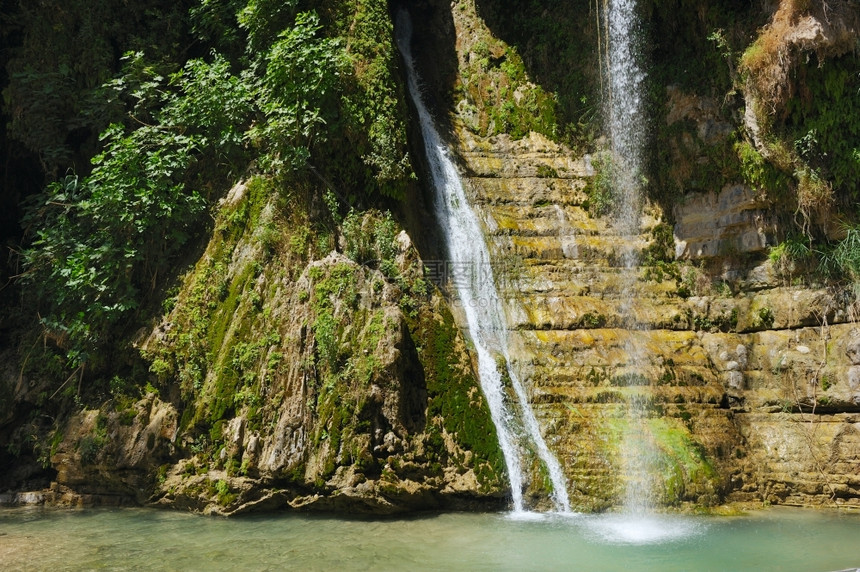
[(141, 539)]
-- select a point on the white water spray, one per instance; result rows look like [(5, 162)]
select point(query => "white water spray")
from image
[(626, 116), (468, 251), (627, 125)]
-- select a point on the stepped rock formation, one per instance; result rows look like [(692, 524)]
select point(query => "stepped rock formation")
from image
[(750, 383), (734, 407)]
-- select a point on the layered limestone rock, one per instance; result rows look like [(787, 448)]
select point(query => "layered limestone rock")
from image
[(724, 373), (747, 380), (560, 274)]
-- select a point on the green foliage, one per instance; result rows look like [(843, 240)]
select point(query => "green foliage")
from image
[(791, 255), (724, 322), (369, 238), (90, 446), (297, 94), (65, 54), (222, 493), (546, 171), (101, 241), (760, 173), (264, 20), (630, 379), (598, 188), (213, 22), (825, 123), (763, 318), (842, 260), (659, 256), (373, 103), (591, 320)]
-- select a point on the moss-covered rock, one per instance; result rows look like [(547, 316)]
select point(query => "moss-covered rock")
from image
[(333, 383)]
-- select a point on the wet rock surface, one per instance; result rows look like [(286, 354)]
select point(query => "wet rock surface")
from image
[(732, 374)]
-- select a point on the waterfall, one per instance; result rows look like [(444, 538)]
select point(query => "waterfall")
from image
[(626, 117), (627, 127), (476, 289)]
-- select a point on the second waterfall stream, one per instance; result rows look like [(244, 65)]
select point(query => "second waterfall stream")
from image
[(467, 249)]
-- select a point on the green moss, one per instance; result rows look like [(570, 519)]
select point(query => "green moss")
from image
[(827, 136), (763, 318), (683, 463), (760, 173), (221, 490), (546, 172), (454, 398), (348, 342), (591, 320), (598, 188), (629, 380), (552, 47), (219, 334), (659, 256), (496, 86), (338, 285), (683, 470)]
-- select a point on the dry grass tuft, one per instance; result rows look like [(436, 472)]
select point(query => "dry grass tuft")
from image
[(768, 61), (826, 27), (814, 197)]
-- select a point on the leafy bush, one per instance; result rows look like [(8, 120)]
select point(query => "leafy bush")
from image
[(99, 242), (790, 255), (296, 94), (369, 237), (842, 261), (60, 53)]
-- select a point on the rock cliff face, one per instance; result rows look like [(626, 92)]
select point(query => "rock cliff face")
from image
[(755, 375), (320, 368), (749, 381)]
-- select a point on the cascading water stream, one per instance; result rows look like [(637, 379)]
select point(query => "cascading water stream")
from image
[(467, 251), (627, 126)]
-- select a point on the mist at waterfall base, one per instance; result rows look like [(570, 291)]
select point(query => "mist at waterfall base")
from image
[(464, 242), (149, 539)]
